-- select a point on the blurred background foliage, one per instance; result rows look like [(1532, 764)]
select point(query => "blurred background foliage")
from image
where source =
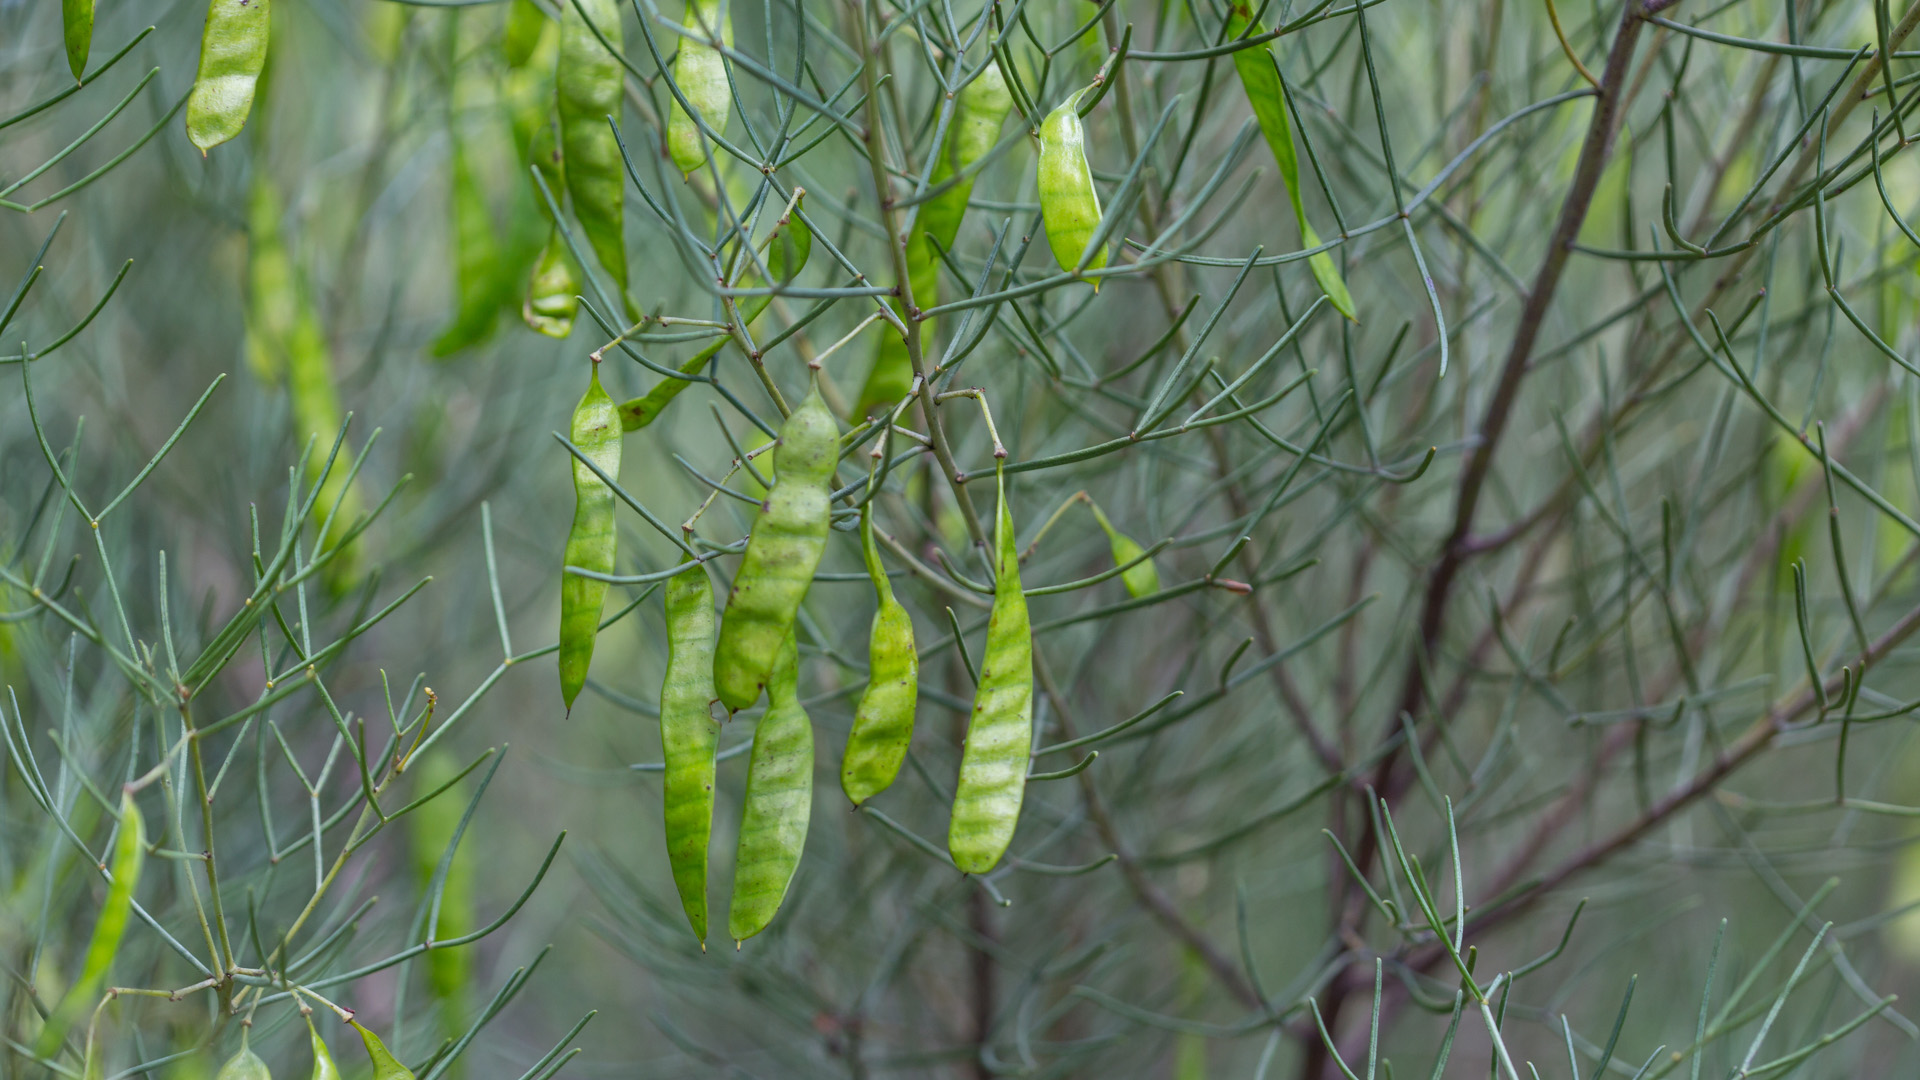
[(379, 197)]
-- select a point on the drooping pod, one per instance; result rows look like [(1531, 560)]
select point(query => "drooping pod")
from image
[(431, 828), (244, 1065), (591, 541), (688, 738), (129, 854), (1260, 77), (526, 23), (76, 24), (1141, 579), (476, 249), (993, 765), (700, 71), (553, 293), (788, 247), (1068, 203), (233, 52), (323, 1066), (589, 81), (779, 803), (385, 1065), (883, 721), (783, 550), (978, 115)]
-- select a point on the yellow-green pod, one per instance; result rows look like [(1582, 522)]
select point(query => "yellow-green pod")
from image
[(385, 1065), (783, 550), (129, 853), (270, 282), (476, 253), (591, 542), (1260, 77), (323, 1066), (1068, 203), (883, 721), (993, 765), (589, 82), (688, 739), (1143, 578), (233, 52), (317, 415), (978, 115), (76, 24), (553, 293), (245, 1065), (891, 375), (773, 823), (525, 24), (430, 830), (700, 71)]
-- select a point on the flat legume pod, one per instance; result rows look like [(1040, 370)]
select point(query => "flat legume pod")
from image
[(129, 853), (591, 542), (553, 293), (245, 1065), (783, 550), (385, 1065), (773, 824), (993, 765), (233, 51), (688, 737), (1068, 203), (1267, 93), (978, 115), (323, 1066), (891, 375), (701, 74), (1143, 578), (589, 81), (76, 24), (883, 721)]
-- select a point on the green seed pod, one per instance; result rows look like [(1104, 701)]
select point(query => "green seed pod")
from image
[(883, 722), (688, 738), (385, 1065), (476, 257), (773, 824), (553, 293), (1260, 77), (1068, 203), (233, 52), (978, 115), (891, 375), (788, 248), (76, 22), (430, 829), (323, 1066), (525, 24), (589, 81), (129, 853), (993, 766), (270, 289), (245, 1065), (591, 543), (1143, 579), (785, 546), (700, 71)]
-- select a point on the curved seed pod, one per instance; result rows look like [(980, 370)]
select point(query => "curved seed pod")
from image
[(688, 737), (245, 1065), (129, 853), (553, 294), (993, 766), (525, 23), (591, 542), (773, 823), (978, 115), (785, 546), (891, 375), (385, 1065), (788, 247), (1068, 203), (76, 20), (701, 73), (233, 51), (1260, 77), (323, 1066), (589, 81), (1144, 578), (883, 722)]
